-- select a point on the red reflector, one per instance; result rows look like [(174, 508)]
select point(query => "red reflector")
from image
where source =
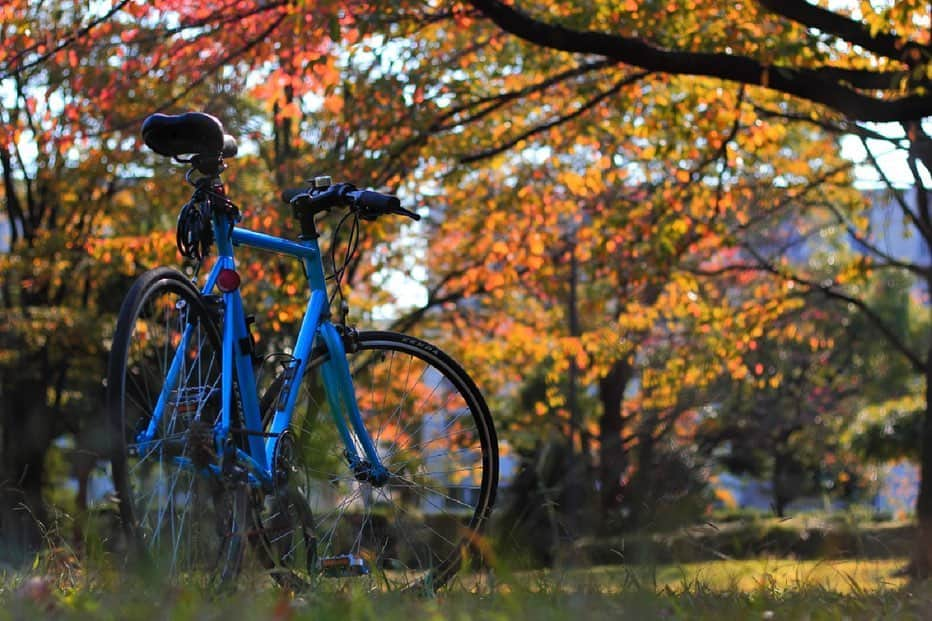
[(227, 280)]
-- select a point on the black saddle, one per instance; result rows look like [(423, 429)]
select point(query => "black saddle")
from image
[(191, 133)]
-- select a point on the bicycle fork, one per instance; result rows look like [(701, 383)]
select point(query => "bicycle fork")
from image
[(336, 372), (340, 394)]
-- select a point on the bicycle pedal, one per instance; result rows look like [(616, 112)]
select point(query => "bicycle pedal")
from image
[(344, 566)]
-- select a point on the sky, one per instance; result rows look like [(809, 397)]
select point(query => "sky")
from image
[(892, 161)]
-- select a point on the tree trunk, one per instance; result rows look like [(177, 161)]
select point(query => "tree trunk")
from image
[(576, 485), (923, 560), (644, 492), (613, 461), (26, 440), (778, 481)]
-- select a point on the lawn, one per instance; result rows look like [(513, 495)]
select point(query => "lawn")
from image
[(745, 576), (720, 590)]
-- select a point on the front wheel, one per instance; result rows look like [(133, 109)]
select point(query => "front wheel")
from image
[(432, 430)]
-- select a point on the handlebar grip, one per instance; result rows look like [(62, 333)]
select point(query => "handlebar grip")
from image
[(376, 201), (410, 214)]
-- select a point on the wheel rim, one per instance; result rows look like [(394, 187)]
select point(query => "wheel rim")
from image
[(181, 518)]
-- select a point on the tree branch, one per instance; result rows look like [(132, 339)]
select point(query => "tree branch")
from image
[(494, 102), (487, 105), (821, 86), (829, 291), (845, 28), (626, 81), (68, 40), (873, 248), (921, 221)]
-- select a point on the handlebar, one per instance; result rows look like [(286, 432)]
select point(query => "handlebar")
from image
[(369, 204)]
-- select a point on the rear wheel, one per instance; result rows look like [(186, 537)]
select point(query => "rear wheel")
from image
[(432, 430), (180, 508)]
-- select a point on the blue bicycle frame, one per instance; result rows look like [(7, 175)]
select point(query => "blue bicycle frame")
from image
[(315, 328)]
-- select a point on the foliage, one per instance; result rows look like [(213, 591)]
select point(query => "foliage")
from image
[(888, 431), (858, 63)]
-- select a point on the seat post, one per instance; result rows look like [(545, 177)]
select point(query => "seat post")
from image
[(211, 166)]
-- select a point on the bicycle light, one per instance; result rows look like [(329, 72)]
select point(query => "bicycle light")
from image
[(228, 280)]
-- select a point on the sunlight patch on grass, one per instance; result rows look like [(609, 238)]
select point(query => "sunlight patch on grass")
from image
[(745, 576)]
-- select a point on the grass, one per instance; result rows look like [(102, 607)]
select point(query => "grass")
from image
[(761, 589), (742, 576)]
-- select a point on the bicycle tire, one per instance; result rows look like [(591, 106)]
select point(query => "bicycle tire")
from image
[(180, 512), (414, 532)]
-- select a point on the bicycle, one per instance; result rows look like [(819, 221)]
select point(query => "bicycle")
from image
[(204, 466)]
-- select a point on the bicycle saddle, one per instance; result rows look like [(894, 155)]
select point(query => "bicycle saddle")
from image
[(194, 133)]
